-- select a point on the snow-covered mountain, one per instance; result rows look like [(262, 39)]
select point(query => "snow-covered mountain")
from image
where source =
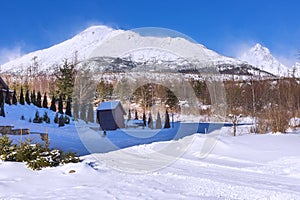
[(262, 58), (86, 43)]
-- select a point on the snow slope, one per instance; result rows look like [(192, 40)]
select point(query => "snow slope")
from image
[(85, 43), (262, 58), (243, 167)]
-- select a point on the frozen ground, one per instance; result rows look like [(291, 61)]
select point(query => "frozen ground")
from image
[(244, 167)]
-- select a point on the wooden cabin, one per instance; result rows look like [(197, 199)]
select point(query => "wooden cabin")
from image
[(110, 115)]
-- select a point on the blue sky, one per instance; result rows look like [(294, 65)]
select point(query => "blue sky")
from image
[(226, 26)]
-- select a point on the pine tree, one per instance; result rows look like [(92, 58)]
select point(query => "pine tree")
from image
[(144, 119), (65, 77), (60, 105), (14, 99), (33, 98), (27, 99), (7, 97), (53, 105), (45, 101), (136, 115), (61, 121), (158, 121), (22, 97), (68, 107), (75, 110), (91, 113), (129, 115), (167, 120), (2, 112), (39, 100), (150, 121)]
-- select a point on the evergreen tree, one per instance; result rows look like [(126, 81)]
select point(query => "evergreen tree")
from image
[(65, 78), (75, 110), (68, 107), (61, 121), (144, 119), (91, 113), (2, 112), (39, 100), (129, 115), (150, 121), (158, 121), (53, 105), (21, 97), (33, 97), (14, 99), (60, 105), (136, 115), (27, 98), (7, 97), (45, 101), (167, 120)]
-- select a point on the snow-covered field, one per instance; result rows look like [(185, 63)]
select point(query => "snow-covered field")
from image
[(248, 166)]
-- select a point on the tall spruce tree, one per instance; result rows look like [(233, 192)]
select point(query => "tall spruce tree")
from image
[(144, 119), (158, 121), (7, 97), (91, 113), (14, 99), (75, 109), (136, 115), (150, 121), (60, 105), (129, 115), (45, 101), (68, 107), (53, 104), (65, 78), (167, 120), (39, 100), (27, 98), (21, 97), (2, 112), (33, 98)]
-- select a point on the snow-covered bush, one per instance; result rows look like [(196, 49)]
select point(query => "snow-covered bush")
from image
[(36, 156), (37, 118)]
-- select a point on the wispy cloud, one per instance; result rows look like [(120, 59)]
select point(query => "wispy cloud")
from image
[(9, 54)]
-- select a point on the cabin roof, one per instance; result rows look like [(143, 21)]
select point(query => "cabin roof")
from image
[(110, 105)]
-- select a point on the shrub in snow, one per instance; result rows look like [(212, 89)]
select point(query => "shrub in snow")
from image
[(56, 118), (46, 118), (36, 156), (61, 121), (37, 118), (67, 119), (30, 120), (22, 117)]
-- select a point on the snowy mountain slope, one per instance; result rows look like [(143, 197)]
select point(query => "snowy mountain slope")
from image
[(165, 52), (262, 58), (81, 45), (87, 41)]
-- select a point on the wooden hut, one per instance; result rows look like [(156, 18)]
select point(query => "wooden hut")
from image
[(110, 115)]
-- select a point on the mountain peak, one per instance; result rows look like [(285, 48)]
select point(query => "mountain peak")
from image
[(259, 48), (262, 58)]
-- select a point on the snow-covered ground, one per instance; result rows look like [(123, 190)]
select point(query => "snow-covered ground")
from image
[(243, 167), (248, 166)]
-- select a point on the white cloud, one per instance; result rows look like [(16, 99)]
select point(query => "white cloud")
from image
[(7, 55)]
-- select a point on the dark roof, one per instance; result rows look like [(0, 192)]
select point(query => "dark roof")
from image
[(110, 105)]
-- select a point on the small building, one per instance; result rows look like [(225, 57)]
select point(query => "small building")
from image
[(110, 115)]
